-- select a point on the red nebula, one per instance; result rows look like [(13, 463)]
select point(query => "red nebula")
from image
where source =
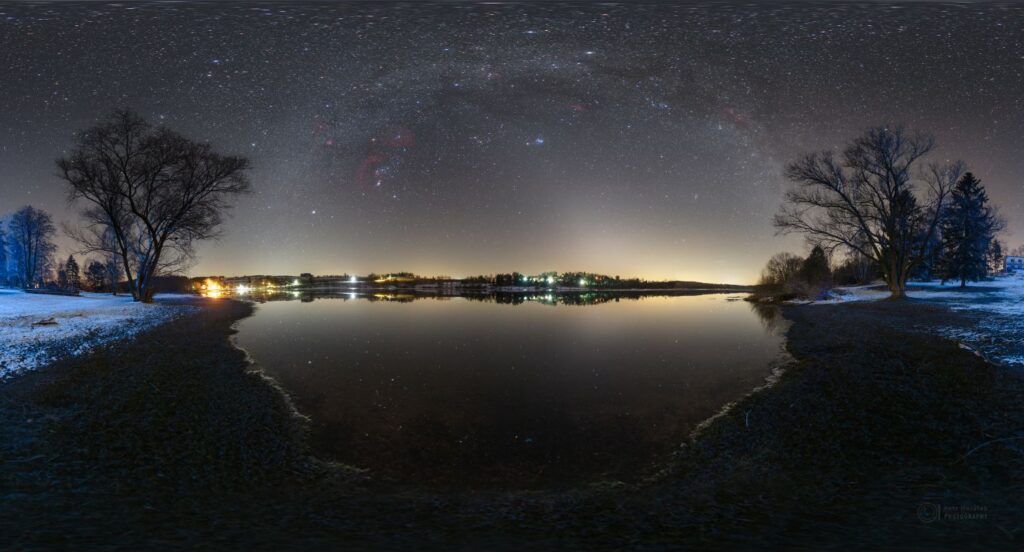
[(368, 167), (736, 117), (381, 149)]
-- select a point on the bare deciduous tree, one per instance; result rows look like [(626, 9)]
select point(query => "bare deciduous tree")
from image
[(5, 276), (150, 193), (781, 269), (876, 200), (32, 232)]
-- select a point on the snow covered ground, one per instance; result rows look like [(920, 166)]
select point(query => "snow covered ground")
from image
[(80, 324), (1002, 294), (998, 304)]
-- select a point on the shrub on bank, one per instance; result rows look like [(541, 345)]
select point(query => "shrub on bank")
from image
[(787, 277)]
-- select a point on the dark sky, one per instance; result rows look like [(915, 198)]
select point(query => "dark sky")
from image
[(474, 138)]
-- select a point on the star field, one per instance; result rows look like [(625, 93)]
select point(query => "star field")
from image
[(477, 138)]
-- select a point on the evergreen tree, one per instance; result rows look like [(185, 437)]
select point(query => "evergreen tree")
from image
[(996, 257), (96, 275), (931, 259), (815, 271), (73, 274), (968, 228)]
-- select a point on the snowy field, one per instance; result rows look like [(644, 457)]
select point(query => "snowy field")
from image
[(38, 329), (999, 304)]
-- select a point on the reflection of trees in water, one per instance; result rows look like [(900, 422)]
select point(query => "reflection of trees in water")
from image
[(391, 297), (574, 298), (768, 315), (584, 298)]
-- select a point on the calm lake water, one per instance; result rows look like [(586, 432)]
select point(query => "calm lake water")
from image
[(540, 391)]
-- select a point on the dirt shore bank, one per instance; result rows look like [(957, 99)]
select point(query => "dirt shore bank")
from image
[(879, 434)]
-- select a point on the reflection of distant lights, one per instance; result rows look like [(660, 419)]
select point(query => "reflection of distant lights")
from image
[(295, 294), (352, 295), (242, 289)]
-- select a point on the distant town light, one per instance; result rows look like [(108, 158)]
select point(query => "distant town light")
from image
[(295, 282), (242, 289), (551, 279), (583, 282), (353, 280)]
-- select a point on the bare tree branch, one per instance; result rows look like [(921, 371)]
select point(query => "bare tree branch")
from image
[(150, 193), (869, 202)]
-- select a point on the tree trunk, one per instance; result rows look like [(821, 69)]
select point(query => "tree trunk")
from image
[(143, 295), (147, 294), (898, 285), (963, 282)]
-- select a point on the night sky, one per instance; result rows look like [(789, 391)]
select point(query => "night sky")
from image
[(477, 138)]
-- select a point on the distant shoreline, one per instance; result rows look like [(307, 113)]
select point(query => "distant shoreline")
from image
[(472, 289)]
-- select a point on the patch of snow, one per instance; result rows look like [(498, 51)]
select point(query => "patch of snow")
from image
[(999, 332), (80, 324), (1013, 360), (871, 292)]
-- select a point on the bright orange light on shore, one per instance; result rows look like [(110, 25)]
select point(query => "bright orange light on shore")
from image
[(211, 288)]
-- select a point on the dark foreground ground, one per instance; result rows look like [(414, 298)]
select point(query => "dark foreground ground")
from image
[(879, 434)]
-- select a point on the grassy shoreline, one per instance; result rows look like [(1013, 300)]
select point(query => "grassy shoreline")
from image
[(173, 439)]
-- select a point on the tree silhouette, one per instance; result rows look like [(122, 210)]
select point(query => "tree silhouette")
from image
[(96, 275), (867, 201), (74, 274), (968, 229), (150, 194), (32, 245)]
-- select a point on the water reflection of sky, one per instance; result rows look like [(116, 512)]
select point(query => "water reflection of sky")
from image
[(478, 391)]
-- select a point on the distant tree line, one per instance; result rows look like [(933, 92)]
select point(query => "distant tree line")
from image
[(589, 280), (27, 257), (888, 214)]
